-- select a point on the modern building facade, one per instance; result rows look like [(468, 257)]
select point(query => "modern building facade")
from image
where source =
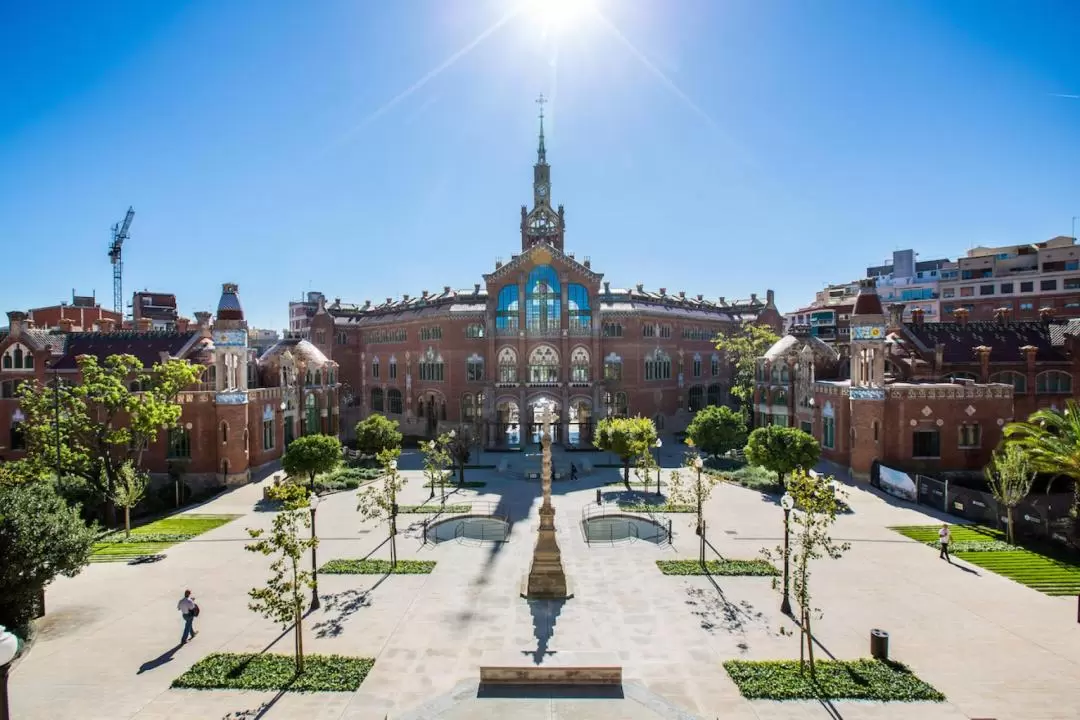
[(237, 420), (154, 311), (300, 313), (82, 314), (543, 330)]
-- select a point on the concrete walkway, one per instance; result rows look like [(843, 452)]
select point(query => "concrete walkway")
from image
[(107, 648)]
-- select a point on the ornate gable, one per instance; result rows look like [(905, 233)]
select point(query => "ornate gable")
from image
[(542, 254)]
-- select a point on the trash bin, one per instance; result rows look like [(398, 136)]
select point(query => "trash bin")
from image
[(879, 644), (599, 500)]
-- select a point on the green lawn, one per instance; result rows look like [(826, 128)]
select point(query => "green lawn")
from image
[(835, 680), (985, 547), (251, 671), (432, 509), (154, 537)]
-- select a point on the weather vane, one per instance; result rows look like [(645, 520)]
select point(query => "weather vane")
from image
[(541, 101)]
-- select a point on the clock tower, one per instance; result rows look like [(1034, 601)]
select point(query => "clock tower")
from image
[(542, 224)]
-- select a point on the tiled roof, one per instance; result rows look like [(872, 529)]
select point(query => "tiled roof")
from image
[(1004, 340), (300, 349), (146, 346), (1058, 331)]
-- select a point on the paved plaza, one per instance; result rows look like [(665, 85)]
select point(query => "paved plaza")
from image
[(107, 649)]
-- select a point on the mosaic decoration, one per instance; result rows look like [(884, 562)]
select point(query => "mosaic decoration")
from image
[(231, 398), (230, 338), (867, 393), (867, 332), (970, 410)]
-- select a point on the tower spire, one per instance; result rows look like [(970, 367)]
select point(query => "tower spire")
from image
[(541, 152)]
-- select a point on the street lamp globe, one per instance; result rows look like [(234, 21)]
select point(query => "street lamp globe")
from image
[(452, 434), (393, 464), (787, 502), (282, 407), (431, 445), (9, 646), (313, 501), (698, 463), (659, 443)]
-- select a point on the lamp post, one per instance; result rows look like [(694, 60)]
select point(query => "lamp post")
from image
[(659, 444), (698, 464), (314, 503), (786, 502), (431, 449), (56, 413), (10, 645), (453, 455), (393, 515)]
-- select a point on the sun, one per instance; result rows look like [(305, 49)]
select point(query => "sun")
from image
[(559, 16)]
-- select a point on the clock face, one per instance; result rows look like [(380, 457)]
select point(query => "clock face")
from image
[(542, 191)]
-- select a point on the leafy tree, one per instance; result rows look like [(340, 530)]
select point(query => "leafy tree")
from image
[(742, 346), (312, 455), (717, 429), (379, 502), (103, 423), (1010, 477), (41, 537), (817, 502), (782, 450), (129, 490), (376, 433), (437, 459), (460, 448), (1051, 439), (696, 492), (282, 598), (628, 438)]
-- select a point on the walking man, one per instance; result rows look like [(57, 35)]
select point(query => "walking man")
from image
[(944, 537), (573, 471), (189, 611)]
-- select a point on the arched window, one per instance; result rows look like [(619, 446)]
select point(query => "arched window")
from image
[(577, 307), (7, 389), (480, 399), (506, 313), (431, 366), (622, 409), (544, 365), (612, 368), (179, 443), (579, 365), (507, 365), (697, 398), (474, 330), (715, 395), (393, 401), (714, 365), (392, 374), (474, 368), (1011, 377), (542, 303), (1053, 382), (779, 397), (375, 367), (615, 404), (612, 329), (377, 400), (761, 374), (696, 365), (17, 440), (224, 433), (657, 365), (17, 357), (318, 377), (468, 408), (312, 419)]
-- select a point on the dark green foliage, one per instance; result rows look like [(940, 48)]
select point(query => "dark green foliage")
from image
[(865, 679), (628, 438), (250, 671), (783, 450), (346, 478), (717, 429), (41, 536), (376, 433), (424, 509), (668, 508), (311, 455), (757, 568), (154, 537), (377, 567)]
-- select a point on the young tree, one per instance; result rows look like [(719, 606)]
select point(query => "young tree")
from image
[(379, 502), (742, 346), (376, 433), (1051, 439), (817, 502), (1010, 477), (41, 537), (437, 459), (782, 450), (696, 491), (282, 598), (627, 438), (460, 448), (103, 423), (717, 429), (311, 455), (129, 490)]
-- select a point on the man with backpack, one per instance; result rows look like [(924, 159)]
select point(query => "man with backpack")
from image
[(189, 610)]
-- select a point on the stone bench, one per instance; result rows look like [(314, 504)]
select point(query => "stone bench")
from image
[(560, 668)]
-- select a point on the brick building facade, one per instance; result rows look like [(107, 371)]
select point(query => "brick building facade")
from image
[(544, 329), (236, 420), (916, 395)]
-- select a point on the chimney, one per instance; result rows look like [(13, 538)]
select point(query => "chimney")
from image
[(145, 325), (641, 287), (722, 300), (896, 314), (753, 298), (182, 324), (917, 316), (202, 319), (106, 325), (588, 264), (476, 288), (28, 324), (405, 297), (424, 296), (570, 255), (663, 291), (607, 287), (983, 352), (66, 324), (1001, 315), (498, 264), (770, 298), (700, 297), (1046, 314), (1030, 354), (961, 315), (367, 304), (446, 289), (682, 295)]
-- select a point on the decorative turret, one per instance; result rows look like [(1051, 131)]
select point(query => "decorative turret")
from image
[(229, 305), (542, 224)]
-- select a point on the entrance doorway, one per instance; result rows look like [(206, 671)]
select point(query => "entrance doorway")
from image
[(535, 421)]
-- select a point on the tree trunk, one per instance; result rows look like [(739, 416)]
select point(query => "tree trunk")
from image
[(299, 639), (127, 522), (1009, 524), (809, 642), (626, 474), (461, 473)]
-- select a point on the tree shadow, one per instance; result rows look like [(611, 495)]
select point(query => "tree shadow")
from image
[(545, 613), (160, 660), (255, 713), (343, 605), (717, 612)]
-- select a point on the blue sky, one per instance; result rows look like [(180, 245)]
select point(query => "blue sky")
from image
[(369, 149)]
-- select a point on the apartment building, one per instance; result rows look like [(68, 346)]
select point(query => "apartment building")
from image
[(1024, 279), (301, 312)]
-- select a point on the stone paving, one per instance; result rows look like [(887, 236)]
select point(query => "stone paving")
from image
[(107, 648)]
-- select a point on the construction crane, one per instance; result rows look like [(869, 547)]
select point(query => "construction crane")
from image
[(119, 235)]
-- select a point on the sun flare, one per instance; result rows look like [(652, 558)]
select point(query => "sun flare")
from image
[(559, 15)]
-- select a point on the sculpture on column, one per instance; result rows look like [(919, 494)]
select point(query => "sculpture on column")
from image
[(546, 578)]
